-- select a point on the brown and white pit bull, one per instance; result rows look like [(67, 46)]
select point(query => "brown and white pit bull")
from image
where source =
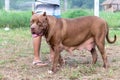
[(69, 34)]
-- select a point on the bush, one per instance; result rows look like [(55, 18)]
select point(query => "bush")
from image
[(75, 13)]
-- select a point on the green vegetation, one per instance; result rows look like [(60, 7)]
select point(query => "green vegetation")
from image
[(1, 76), (73, 13), (113, 19), (1, 4), (16, 19)]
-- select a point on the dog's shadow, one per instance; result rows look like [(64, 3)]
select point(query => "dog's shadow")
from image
[(77, 58)]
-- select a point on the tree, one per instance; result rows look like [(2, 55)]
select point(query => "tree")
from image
[(1, 4), (82, 3)]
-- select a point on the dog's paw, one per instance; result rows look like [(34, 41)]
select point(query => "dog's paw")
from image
[(50, 72)]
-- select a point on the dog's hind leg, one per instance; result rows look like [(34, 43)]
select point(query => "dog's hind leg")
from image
[(94, 55), (100, 42)]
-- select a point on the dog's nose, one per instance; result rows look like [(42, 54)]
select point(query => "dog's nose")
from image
[(32, 29)]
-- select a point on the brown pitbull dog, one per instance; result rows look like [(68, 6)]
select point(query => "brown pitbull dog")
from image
[(70, 34)]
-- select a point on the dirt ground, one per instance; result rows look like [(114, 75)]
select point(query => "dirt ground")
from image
[(16, 65)]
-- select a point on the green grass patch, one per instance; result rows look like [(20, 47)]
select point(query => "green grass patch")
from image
[(14, 19), (18, 41), (76, 73), (17, 19), (116, 32), (1, 77), (2, 62), (76, 13), (113, 19)]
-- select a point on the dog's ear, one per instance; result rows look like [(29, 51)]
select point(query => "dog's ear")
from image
[(44, 14), (33, 12)]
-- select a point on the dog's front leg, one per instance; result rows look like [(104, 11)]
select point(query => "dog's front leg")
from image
[(61, 61), (56, 58)]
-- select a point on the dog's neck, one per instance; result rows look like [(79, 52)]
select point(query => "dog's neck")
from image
[(46, 30), (51, 21)]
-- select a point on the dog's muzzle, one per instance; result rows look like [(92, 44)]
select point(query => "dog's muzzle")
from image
[(33, 30), (37, 33)]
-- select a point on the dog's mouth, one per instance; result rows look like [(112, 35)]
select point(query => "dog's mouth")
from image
[(38, 33), (33, 32)]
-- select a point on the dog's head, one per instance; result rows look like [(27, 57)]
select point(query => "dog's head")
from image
[(38, 23)]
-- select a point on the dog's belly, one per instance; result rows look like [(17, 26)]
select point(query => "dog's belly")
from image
[(88, 44)]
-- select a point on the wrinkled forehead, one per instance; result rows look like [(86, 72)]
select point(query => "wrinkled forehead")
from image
[(37, 17)]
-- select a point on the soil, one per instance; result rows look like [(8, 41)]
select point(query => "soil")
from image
[(16, 64)]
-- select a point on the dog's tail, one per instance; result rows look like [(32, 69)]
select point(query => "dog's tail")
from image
[(107, 37)]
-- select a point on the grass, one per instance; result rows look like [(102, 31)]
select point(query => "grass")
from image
[(74, 73), (113, 32), (17, 19), (1, 77), (14, 19), (113, 19)]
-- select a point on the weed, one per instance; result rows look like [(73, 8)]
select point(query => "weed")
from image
[(87, 70), (110, 73), (3, 62), (1, 76)]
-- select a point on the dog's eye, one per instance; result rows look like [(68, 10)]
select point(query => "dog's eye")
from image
[(32, 21)]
